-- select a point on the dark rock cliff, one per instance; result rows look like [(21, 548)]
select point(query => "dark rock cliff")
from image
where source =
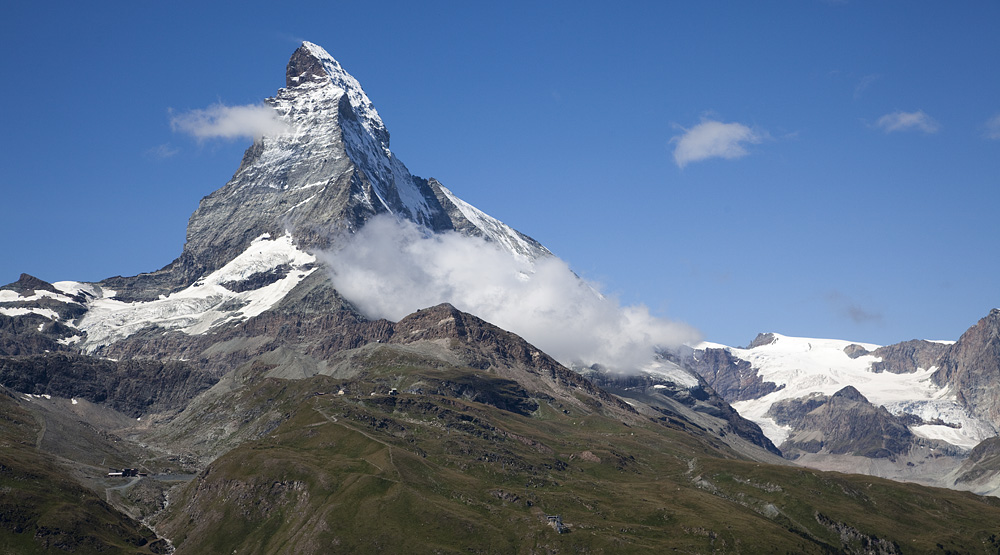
[(134, 387)]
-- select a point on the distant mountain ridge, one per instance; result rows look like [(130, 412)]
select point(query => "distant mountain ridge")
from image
[(922, 399)]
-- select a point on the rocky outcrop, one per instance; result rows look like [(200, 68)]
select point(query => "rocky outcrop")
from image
[(762, 339), (845, 423), (33, 319), (28, 285), (733, 378), (482, 345), (908, 356), (982, 465), (675, 401), (971, 367), (31, 334), (854, 350)]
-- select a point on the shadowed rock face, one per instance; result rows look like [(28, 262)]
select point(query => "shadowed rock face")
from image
[(983, 463), (135, 387), (845, 423), (972, 368), (733, 378)]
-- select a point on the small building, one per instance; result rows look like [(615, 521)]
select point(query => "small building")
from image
[(125, 473)]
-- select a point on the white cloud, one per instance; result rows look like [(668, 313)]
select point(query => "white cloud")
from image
[(391, 268), (907, 121), (229, 122), (993, 128), (714, 139)]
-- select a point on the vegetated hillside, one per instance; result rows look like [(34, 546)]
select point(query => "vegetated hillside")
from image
[(43, 510), (408, 449)]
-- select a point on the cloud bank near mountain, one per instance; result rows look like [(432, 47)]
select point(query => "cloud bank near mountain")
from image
[(391, 268)]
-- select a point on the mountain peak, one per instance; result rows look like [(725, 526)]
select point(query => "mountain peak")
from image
[(308, 64), (850, 393), (311, 64)]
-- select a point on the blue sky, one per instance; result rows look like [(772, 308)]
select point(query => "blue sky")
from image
[(814, 168)]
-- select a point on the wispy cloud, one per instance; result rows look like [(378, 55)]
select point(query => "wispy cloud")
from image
[(907, 121), (714, 139), (864, 83), (162, 152), (391, 268), (229, 122), (853, 310), (993, 128)]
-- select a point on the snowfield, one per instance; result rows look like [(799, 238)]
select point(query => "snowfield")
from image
[(207, 302), (806, 365)]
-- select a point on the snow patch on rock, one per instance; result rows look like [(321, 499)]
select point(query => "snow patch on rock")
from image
[(206, 303)]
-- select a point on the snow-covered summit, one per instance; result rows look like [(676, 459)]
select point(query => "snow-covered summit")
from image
[(324, 171), (328, 171), (302, 68)]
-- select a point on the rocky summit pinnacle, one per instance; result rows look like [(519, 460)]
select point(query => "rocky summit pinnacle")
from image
[(320, 173), (326, 171), (311, 64)]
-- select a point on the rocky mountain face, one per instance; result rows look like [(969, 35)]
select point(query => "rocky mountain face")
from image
[(843, 423), (981, 470), (35, 317), (912, 410), (733, 378), (134, 387), (909, 356), (327, 173), (701, 408), (971, 367)]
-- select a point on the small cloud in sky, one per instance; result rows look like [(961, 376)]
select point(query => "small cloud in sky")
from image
[(993, 128), (162, 152), (391, 268), (864, 83), (853, 310), (714, 139), (229, 122), (907, 121)]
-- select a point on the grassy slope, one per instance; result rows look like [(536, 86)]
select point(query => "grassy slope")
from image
[(442, 473), (42, 510)]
